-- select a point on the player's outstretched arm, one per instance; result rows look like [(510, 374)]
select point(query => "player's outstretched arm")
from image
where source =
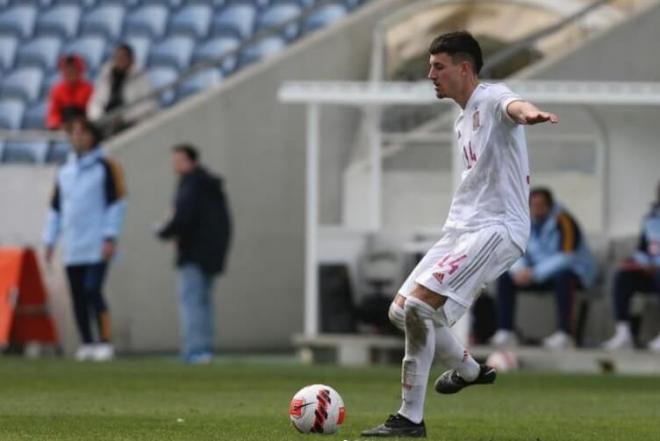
[(524, 112)]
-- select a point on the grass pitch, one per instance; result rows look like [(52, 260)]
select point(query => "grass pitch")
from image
[(247, 399)]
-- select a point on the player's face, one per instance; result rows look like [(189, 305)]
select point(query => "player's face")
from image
[(122, 59), (81, 140), (538, 207), (447, 77), (182, 164)]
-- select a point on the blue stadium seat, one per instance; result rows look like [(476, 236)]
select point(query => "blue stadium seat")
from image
[(58, 152), (279, 14), (262, 49), (35, 116), (174, 51), (42, 52), (216, 48), (11, 113), (8, 45), (199, 81), (236, 21), (105, 20), (193, 20), (91, 48), (150, 21), (24, 84), (25, 152), (141, 46), (48, 83), (171, 4), (18, 21), (325, 15), (62, 21), (161, 76)]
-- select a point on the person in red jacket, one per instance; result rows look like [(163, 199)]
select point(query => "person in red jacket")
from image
[(69, 96)]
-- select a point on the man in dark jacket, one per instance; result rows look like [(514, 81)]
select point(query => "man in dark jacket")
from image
[(201, 227)]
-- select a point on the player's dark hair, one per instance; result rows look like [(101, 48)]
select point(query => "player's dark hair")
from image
[(460, 46), (91, 128), (545, 192), (128, 49), (191, 152)]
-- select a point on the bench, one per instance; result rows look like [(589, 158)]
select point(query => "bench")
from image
[(349, 349)]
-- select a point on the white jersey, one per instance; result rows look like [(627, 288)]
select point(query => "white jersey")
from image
[(494, 186)]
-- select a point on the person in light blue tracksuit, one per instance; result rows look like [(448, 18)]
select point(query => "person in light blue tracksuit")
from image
[(557, 259), (87, 211)]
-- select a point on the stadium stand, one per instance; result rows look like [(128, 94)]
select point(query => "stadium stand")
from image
[(168, 37)]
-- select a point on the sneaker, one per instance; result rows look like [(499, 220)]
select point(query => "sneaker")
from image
[(103, 352), (204, 358), (654, 345), (620, 340), (451, 382), (397, 426), (558, 340), (84, 352), (504, 338)]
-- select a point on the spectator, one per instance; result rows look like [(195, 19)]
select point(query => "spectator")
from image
[(201, 227), (121, 82), (639, 273), (557, 259), (87, 209), (68, 97)]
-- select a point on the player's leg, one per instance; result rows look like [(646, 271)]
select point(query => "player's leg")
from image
[(564, 285), (75, 276), (98, 310), (506, 311)]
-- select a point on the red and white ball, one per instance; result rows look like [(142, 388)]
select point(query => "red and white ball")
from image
[(317, 409), (503, 361)]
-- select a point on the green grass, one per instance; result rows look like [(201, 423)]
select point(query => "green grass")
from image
[(142, 399)]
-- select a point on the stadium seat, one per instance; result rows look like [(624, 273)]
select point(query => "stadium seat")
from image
[(42, 52), (199, 81), (161, 76), (216, 48), (62, 21), (24, 84), (8, 45), (18, 21), (26, 152), (262, 49), (171, 4), (11, 113), (58, 152), (325, 15), (236, 21), (193, 21), (105, 20), (91, 48), (141, 46), (277, 15), (35, 116), (150, 21), (174, 51)]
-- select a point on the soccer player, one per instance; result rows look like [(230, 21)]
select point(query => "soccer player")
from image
[(485, 233)]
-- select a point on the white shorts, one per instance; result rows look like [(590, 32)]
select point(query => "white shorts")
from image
[(459, 265)]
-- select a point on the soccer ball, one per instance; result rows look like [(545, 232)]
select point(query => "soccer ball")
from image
[(317, 409), (503, 361)]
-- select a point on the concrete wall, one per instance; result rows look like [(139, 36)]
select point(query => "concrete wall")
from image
[(258, 145)]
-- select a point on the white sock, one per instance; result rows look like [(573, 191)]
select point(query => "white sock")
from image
[(623, 328), (420, 349), (397, 316), (454, 355)]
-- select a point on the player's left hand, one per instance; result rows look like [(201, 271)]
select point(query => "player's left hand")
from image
[(108, 250), (541, 117)]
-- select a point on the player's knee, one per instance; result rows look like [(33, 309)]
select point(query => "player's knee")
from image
[(397, 316)]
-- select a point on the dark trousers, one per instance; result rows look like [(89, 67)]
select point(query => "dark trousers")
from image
[(564, 284), (86, 283), (629, 281)]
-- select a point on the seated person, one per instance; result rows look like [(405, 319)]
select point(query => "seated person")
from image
[(557, 259), (69, 96), (639, 273), (120, 82)]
